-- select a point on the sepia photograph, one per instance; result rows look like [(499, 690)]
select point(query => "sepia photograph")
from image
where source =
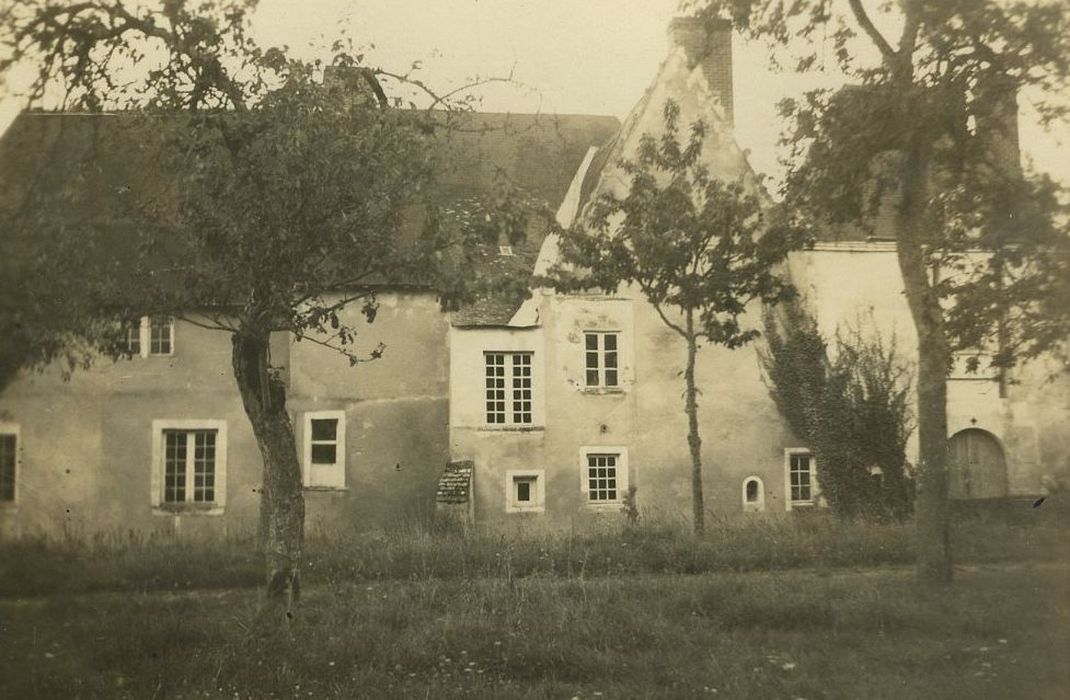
[(556, 349)]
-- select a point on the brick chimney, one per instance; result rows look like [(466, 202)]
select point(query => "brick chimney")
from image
[(709, 43)]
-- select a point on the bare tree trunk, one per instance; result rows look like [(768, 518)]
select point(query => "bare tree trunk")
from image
[(282, 504), (698, 504), (931, 505)]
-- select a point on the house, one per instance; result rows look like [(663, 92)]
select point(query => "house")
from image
[(160, 442), (566, 406), (513, 411)]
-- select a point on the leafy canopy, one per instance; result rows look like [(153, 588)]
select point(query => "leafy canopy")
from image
[(691, 242)]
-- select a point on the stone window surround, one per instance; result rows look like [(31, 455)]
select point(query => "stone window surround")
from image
[(156, 498)]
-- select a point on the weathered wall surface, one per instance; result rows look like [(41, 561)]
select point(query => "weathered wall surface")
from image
[(85, 446), (742, 433), (859, 285)]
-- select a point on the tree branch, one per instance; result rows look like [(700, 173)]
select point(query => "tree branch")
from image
[(862, 17)]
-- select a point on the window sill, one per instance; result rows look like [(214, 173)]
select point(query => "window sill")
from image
[(605, 506), (511, 428), (188, 509), (327, 489), (517, 510), (601, 390)]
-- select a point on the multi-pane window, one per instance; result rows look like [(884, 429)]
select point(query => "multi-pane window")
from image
[(602, 486), (521, 387), (601, 359), (189, 466), (132, 339), (149, 336), (512, 402), (160, 335), (800, 478), (325, 465), (9, 443)]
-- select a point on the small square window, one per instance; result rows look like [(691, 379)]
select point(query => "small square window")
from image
[(524, 491)]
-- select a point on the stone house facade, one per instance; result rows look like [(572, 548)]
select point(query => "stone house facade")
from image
[(513, 411)]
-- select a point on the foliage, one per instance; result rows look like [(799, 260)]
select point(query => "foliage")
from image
[(139, 562), (691, 242), (742, 636), (698, 249), (852, 409), (275, 192), (928, 136)]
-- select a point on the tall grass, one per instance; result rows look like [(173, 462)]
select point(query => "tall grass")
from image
[(132, 562)]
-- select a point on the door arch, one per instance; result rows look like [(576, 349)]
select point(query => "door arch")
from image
[(978, 468)]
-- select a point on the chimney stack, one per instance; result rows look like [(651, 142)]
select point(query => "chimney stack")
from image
[(708, 43)]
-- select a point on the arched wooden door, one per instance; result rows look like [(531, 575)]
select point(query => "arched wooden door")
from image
[(978, 468)]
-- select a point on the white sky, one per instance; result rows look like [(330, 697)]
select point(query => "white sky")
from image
[(572, 56)]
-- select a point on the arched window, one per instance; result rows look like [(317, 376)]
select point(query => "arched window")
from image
[(753, 494)]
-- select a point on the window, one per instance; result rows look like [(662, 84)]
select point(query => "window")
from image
[(753, 494), (189, 464), (605, 475), (601, 357), (525, 491), (801, 480), (9, 458), (132, 341), (161, 336), (518, 408), (325, 453), (150, 336)]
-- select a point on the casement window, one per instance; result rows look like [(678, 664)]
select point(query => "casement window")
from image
[(801, 477), (601, 359), (132, 339), (753, 494), (508, 388), (189, 465), (9, 462), (161, 336), (525, 491), (149, 336), (605, 475), (325, 449)]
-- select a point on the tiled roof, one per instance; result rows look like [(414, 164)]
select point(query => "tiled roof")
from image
[(455, 485), (537, 155)]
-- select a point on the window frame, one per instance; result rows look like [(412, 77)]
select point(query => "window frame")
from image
[(13, 429), (601, 353), (537, 503), (158, 483), (790, 502), (622, 475), (144, 337), (757, 505), (506, 394), (338, 466), (170, 337)]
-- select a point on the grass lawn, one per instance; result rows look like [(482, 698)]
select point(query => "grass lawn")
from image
[(1002, 631)]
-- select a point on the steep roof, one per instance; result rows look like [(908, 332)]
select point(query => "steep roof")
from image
[(96, 162)]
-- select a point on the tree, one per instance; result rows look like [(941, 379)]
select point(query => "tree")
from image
[(851, 406), (929, 135), (277, 199), (698, 248)]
